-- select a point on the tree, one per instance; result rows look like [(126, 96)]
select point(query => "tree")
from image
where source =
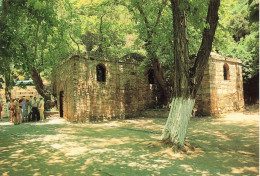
[(7, 76), (101, 27), (37, 45), (154, 34), (188, 74)]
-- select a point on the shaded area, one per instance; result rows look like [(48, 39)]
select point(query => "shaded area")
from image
[(227, 145)]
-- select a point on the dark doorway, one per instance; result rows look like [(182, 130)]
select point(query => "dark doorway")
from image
[(101, 73), (151, 76), (61, 103)]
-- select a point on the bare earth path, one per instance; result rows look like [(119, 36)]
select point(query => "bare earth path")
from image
[(224, 146)]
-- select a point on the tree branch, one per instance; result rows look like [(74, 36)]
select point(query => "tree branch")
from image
[(75, 42), (143, 15), (164, 2), (206, 44), (36, 41)]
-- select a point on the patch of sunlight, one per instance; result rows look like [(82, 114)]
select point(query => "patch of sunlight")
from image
[(5, 173), (2, 162), (37, 174), (44, 151), (100, 151), (124, 153), (169, 153), (34, 140), (242, 119), (51, 122), (222, 136), (57, 146), (19, 151), (246, 153), (132, 164), (109, 142), (242, 170), (88, 162), (76, 151), (32, 156), (6, 123), (145, 165), (57, 137), (55, 161), (203, 173), (15, 164), (55, 158), (161, 161), (186, 167), (15, 156)]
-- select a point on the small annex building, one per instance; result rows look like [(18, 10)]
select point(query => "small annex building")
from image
[(221, 90), (100, 89)]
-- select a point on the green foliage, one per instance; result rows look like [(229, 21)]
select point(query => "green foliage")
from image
[(42, 33), (238, 35), (39, 41)]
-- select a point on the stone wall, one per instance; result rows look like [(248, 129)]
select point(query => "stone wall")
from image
[(124, 93), (63, 81), (216, 94)]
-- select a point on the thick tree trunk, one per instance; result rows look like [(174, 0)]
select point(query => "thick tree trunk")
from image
[(187, 77), (177, 122), (36, 77)]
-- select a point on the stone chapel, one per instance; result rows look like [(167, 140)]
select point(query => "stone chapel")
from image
[(100, 89)]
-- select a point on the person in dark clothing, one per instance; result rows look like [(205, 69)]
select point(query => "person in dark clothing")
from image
[(34, 109)]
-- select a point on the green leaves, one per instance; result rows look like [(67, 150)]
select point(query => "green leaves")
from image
[(237, 35)]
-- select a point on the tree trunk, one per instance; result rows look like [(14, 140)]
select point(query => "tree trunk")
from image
[(36, 77), (158, 73), (187, 77), (177, 122), (7, 78)]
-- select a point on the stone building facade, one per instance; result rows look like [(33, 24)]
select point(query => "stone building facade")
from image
[(221, 89), (97, 89)]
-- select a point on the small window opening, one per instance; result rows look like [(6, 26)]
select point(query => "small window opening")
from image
[(226, 71), (151, 76), (101, 73)]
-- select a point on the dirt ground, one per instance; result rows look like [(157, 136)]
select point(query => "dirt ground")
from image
[(223, 146)]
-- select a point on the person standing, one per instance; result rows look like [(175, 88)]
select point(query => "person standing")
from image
[(26, 115), (38, 113), (41, 108), (8, 109), (34, 109), (23, 108), (0, 110), (17, 111), (30, 109), (12, 110)]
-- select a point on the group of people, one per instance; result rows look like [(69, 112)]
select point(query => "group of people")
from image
[(23, 110)]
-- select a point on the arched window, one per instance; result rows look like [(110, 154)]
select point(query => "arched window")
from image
[(101, 73), (226, 71), (151, 76)]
